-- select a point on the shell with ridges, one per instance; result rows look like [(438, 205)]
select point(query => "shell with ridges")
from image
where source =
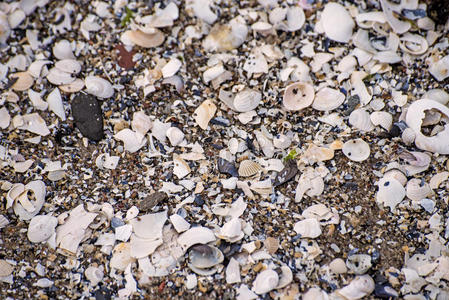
[(249, 168), (246, 100), (360, 119), (382, 118), (417, 189), (328, 99)]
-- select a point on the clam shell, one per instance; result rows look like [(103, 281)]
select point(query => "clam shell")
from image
[(73, 87), (413, 44), (175, 136), (41, 228), (196, 235), (359, 263), (98, 86), (145, 40), (396, 174), (439, 68), (391, 192), (358, 288), (408, 136), (337, 22), (356, 150), (69, 66), (437, 179), (382, 118), (171, 67), (63, 50), (35, 69), (417, 189), (246, 100), (58, 77), (249, 168), (298, 96), (204, 113), (265, 281), (328, 99), (308, 228), (24, 81), (360, 119), (205, 256)]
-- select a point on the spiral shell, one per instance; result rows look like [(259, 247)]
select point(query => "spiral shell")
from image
[(298, 96), (99, 87)]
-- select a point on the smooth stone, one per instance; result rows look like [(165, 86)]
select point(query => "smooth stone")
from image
[(86, 111)]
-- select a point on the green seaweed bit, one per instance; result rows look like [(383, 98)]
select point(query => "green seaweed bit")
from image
[(127, 18), (291, 155)]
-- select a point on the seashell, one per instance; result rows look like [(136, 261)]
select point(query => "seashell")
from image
[(201, 9), (265, 143), (171, 67), (159, 130), (226, 167), (317, 211), (94, 275), (396, 174), (249, 168), (263, 28), (438, 143), (24, 81), (213, 72), (204, 113), (265, 281), (163, 17), (179, 223), (282, 141), (27, 206), (310, 182), (196, 235), (181, 168), (6, 268), (41, 228), (35, 69), (413, 44), (438, 95), (298, 96), (175, 136), (439, 68), (58, 77), (397, 25), (360, 88), (264, 187), (358, 288), (319, 59), (70, 66), (5, 29), (73, 87), (227, 36), (408, 136), (295, 18), (271, 244), (437, 179), (417, 159), (359, 263), (5, 118), (315, 294), (246, 100), (55, 105), (356, 150), (286, 277), (391, 192), (417, 189), (308, 228), (152, 39), (256, 64), (98, 87), (315, 153), (205, 256), (121, 256), (338, 266), (328, 99), (63, 50), (360, 119), (176, 81), (33, 123), (233, 271), (377, 104), (337, 22), (382, 118), (366, 20), (132, 140)]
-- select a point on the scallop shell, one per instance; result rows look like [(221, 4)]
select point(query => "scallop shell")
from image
[(298, 96), (69, 66), (99, 87), (175, 136), (63, 50), (265, 281), (308, 228), (382, 118), (356, 150), (73, 87), (41, 228), (204, 113), (417, 189), (328, 99), (196, 235), (359, 263), (337, 22), (413, 44), (246, 100), (360, 119), (24, 81), (249, 168), (35, 69), (58, 77), (358, 288), (391, 192), (145, 40)]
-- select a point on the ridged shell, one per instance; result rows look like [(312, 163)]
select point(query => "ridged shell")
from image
[(69, 66), (265, 281), (298, 96), (337, 22), (99, 87), (247, 100), (328, 99), (358, 288), (266, 145), (356, 150), (58, 77), (382, 118), (24, 81), (146, 40), (391, 192), (204, 113), (361, 120), (417, 189), (249, 168)]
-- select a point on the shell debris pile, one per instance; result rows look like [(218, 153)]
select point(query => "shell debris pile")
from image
[(224, 149)]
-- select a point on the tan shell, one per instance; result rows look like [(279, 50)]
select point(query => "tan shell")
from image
[(356, 150), (382, 118), (249, 168), (5, 268), (298, 96), (417, 190), (146, 40), (24, 81), (246, 100), (204, 113), (73, 87), (328, 99)]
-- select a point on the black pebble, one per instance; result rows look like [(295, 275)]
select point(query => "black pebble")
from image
[(86, 111), (102, 294), (199, 200)]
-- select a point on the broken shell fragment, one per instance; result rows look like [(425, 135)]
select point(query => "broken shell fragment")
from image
[(337, 22), (63, 50), (308, 228), (358, 288), (196, 235), (175, 136), (356, 150), (391, 192), (24, 81), (265, 281), (73, 87), (439, 67), (413, 44), (98, 87), (69, 66), (145, 40), (298, 96), (29, 202), (246, 100), (58, 77), (382, 118), (36, 67), (359, 263), (41, 228), (227, 36), (328, 99), (417, 189), (286, 277)]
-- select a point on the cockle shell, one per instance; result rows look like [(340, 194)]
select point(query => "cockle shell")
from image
[(69, 66), (360, 119), (99, 87), (265, 281), (203, 259), (356, 150), (298, 96), (337, 22), (204, 113), (328, 99), (358, 288), (41, 228), (391, 192), (249, 168), (24, 81), (417, 189), (246, 100), (382, 118), (152, 39)]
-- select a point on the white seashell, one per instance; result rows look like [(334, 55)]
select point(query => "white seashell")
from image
[(204, 257), (358, 288), (408, 136), (285, 278), (226, 37), (277, 15), (204, 113), (308, 228), (438, 95), (295, 18), (397, 25), (360, 119), (121, 256), (382, 118), (249, 168), (196, 235), (439, 68), (179, 223), (55, 105), (315, 153), (141, 122), (98, 86), (233, 145), (63, 50), (69, 66), (391, 192), (233, 271), (417, 189), (9, 97), (94, 275), (33, 123), (26, 208), (5, 30), (328, 99), (106, 161), (201, 9), (159, 130), (5, 118), (366, 20), (359, 263), (319, 59), (298, 96), (175, 136), (149, 226), (315, 294), (73, 87), (265, 143), (317, 211), (265, 281), (438, 143), (141, 247), (58, 77), (262, 27), (142, 39), (41, 228), (24, 81), (356, 150), (15, 18), (181, 168), (213, 72), (337, 22), (413, 44), (282, 141), (231, 231), (437, 179), (171, 67), (338, 266), (35, 69), (132, 140), (256, 64), (246, 100), (359, 87), (396, 174)]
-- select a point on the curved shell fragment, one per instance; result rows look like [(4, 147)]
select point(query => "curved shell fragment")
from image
[(196, 235), (391, 192), (265, 281), (308, 228), (337, 22), (204, 113), (24, 81), (69, 66), (63, 50), (246, 100), (358, 288), (145, 40), (413, 44), (328, 99), (41, 228)]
